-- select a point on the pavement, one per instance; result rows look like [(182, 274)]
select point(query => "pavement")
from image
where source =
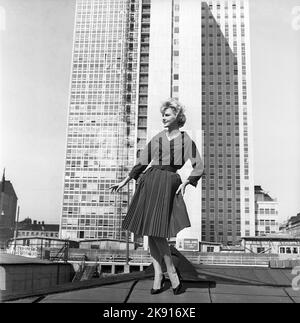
[(201, 284), (138, 291)]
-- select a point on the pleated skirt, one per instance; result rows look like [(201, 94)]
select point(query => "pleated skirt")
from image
[(155, 209)]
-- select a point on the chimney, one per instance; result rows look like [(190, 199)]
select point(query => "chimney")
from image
[(34, 221), (39, 222), (43, 223)]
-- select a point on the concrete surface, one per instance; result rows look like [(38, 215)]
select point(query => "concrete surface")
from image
[(138, 291), (203, 284)]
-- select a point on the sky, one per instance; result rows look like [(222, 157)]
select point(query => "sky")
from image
[(35, 64)]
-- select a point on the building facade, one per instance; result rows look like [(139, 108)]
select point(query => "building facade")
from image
[(266, 213), (101, 135), (40, 246), (227, 190), (292, 226), (128, 57), (28, 229), (283, 245), (8, 202)]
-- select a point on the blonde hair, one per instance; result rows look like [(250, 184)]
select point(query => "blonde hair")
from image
[(177, 108)]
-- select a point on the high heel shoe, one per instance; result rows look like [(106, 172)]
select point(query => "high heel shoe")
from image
[(159, 290), (177, 289)]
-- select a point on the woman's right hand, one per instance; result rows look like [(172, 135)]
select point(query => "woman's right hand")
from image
[(117, 187)]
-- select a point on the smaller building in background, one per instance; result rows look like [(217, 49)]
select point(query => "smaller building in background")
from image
[(105, 244), (28, 229), (8, 207), (292, 226), (41, 242), (38, 246), (266, 213), (209, 246), (284, 245)]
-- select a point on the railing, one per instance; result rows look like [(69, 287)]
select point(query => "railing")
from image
[(142, 257), (132, 258), (60, 254), (237, 259)]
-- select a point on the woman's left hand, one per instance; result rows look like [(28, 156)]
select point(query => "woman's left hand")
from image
[(181, 188)]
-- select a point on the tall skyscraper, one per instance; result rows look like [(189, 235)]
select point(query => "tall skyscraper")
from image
[(101, 136), (227, 190), (128, 57)]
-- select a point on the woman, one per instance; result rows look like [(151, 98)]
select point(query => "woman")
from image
[(157, 209)]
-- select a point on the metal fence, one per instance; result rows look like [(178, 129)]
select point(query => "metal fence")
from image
[(232, 259), (142, 257)]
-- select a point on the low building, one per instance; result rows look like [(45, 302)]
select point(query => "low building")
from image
[(292, 226), (28, 228), (209, 246), (35, 246), (105, 244), (266, 213), (283, 245)]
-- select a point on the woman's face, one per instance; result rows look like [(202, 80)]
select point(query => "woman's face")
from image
[(169, 118)]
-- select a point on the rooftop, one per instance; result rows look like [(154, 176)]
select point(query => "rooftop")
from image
[(269, 237), (202, 284), (230, 285), (261, 195), (39, 227)]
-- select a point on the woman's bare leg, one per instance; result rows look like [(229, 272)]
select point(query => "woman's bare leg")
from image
[(157, 262), (164, 249)]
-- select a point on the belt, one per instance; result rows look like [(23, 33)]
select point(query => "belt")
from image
[(165, 167)]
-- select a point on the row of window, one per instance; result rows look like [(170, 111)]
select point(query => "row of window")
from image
[(37, 233), (289, 250), (266, 211), (266, 222)]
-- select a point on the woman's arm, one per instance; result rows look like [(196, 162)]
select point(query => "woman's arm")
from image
[(117, 187), (197, 164), (198, 167), (144, 160)]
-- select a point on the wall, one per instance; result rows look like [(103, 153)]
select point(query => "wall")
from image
[(17, 280)]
